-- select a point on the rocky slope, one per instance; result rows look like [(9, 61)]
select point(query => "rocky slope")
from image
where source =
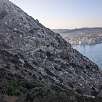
[(38, 65)]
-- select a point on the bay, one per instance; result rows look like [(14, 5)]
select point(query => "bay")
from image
[(93, 52)]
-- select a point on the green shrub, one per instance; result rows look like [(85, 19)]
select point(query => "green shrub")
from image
[(13, 88)]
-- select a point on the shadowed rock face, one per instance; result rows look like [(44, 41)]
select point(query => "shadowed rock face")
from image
[(33, 59)]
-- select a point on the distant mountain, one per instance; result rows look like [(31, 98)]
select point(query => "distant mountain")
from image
[(38, 65), (60, 30), (82, 35)]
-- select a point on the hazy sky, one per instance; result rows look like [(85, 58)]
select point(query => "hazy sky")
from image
[(64, 13)]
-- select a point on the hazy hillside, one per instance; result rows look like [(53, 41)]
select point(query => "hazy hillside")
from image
[(82, 35)]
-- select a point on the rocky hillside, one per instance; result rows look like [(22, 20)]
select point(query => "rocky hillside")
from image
[(82, 36), (38, 65)]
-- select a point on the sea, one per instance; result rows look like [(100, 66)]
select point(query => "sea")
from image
[(93, 52)]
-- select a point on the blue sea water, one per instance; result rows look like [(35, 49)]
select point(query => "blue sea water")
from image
[(93, 52)]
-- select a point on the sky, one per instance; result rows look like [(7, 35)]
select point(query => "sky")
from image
[(64, 14)]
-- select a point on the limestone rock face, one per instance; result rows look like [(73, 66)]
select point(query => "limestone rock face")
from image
[(30, 52)]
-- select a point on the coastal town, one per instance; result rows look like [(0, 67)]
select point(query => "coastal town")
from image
[(82, 36)]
